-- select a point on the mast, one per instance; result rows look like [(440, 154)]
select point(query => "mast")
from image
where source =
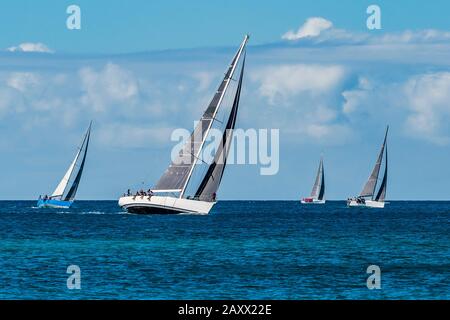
[(369, 187)]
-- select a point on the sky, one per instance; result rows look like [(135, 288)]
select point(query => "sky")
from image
[(142, 69)]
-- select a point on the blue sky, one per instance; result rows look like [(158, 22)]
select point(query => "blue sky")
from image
[(142, 69)]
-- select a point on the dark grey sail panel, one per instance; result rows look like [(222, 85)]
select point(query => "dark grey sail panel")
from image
[(318, 183), (211, 181), (371, 184), (177, 174), (381, 195), (322, 186), (74, 186)]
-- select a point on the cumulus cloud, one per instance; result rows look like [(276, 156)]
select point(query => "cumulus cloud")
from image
[(204, 80), (287, 80), (419, 103), (354, 98), (313, 27), (427, 97), (30, 47), (23, 81), (108, 86), (309, 93)]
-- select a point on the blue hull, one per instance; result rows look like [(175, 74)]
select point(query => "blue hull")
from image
[(52, 203)]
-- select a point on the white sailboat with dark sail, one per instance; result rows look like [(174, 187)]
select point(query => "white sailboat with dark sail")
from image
[(368, 197), (190, 184), (318, 191), (64, 194)]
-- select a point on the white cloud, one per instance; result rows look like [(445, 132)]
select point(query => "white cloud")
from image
[(318, 30), (427, 97), (204, 80), (134, 136), (23, 81), (409, 36), (8, 100), (313, 27), (329, 133), (419, 103), (308, 93), (30, 47), (354, 98), (287, 80), (111, 85)]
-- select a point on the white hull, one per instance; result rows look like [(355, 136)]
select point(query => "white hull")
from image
[(314, 201), (366, 204), (164, 205)]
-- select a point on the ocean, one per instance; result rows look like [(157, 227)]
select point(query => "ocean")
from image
[(241, 250)]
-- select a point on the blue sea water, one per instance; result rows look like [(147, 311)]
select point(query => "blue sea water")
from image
[(241, 250)]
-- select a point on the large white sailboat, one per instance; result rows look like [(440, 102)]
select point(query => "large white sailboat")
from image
[(368, 198), (318, 191), (64, 194), (189, 184)]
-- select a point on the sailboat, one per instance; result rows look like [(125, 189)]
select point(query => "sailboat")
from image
[(368, 197), (65, 192), (318, 190), (190, 184)]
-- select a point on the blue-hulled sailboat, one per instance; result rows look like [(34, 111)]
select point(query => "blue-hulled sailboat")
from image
[(64, 194)]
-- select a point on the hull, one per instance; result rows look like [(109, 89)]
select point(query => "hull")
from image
[(366, 204), (52, 203), (164, 205), (312, 201)]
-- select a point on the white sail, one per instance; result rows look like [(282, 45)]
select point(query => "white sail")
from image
[(62, 186), (59, 191)]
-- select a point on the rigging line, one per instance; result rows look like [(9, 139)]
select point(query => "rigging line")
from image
[(214, 119), (198, 158)]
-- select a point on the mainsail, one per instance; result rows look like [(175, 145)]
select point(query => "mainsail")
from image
[(318, 189), (65, 180), (74, 172), (371, 184), (210, 183), (177, 175), (381, 195)]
